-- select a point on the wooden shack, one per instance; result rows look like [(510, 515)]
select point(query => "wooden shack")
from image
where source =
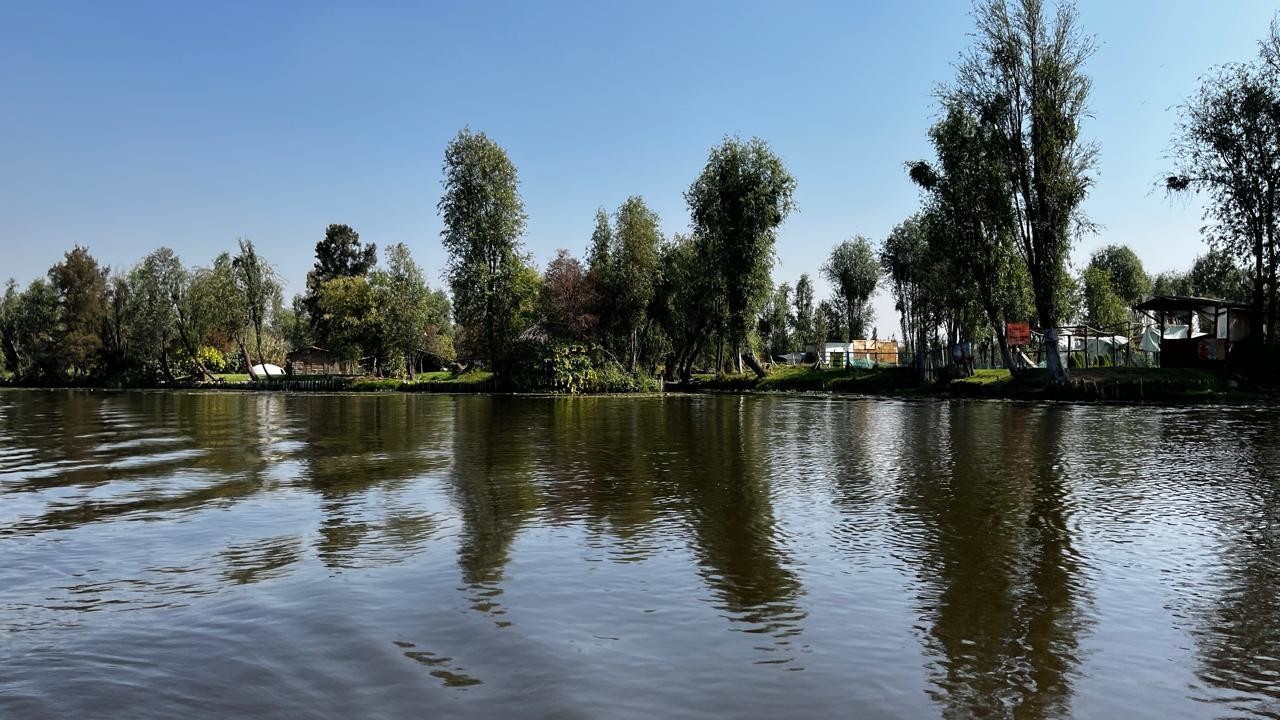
[(1217, 332), (317, 361)]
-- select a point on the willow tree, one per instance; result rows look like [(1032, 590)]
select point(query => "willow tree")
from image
[(483, 220), (1024, 78), (737, 203), (259, 290), (633, 271)]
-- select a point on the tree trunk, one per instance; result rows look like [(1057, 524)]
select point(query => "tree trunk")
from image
[(720, 355), (756, 367), (257, 338), (1052, 360), (248, 363)]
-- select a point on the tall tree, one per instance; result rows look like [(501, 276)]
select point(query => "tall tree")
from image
[(404, 303), (338, 255), (633, 270), (742, 196), (775, 326), (568, 298), (483, 220), (153, 322), (260, 289), (8, 326), (802, 318), (971, 219), (854, 272), (81, 287), (905, 258), (1025, 77), (689, 302)]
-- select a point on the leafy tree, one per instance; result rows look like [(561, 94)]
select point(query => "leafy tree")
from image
[(1024, 77), (854, 271), (774, 325), (35, 331), (438, 351), (1103, 306), (483, 220), (1216, 274), (81, 288), (742, 196), (404, 302), (689, 302), (1171, 282), (259, 288), (338, 255), (153, 324), (115, 333), (802, 319), (8, 326), (633, 264), (568, 298), (905, 259), (348, 312), (972, 217), (831, 319), (600, 272), (1124, 271)]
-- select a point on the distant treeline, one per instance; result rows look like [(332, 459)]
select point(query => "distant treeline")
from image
[(1001, 210)]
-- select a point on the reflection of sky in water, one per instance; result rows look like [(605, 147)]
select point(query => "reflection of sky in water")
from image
[(742, 555)]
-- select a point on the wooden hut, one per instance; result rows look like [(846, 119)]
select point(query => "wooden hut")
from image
[(318, 361), (1217, 332)]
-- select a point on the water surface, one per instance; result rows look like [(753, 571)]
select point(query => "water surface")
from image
[(210, 555)]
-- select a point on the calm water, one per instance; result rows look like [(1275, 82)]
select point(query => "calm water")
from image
[(220, 555)]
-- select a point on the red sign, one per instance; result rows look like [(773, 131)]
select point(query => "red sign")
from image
[(1018, 334)]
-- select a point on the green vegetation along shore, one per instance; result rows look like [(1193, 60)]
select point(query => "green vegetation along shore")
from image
[(1130, 385), (1122, 385)]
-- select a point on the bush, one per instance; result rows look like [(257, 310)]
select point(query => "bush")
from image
[(375, 384), (569, 368)]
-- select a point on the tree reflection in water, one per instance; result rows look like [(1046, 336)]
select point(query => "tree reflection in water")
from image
[(1001, 588)]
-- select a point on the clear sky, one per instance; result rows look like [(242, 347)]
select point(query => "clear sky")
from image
[(129, 125)]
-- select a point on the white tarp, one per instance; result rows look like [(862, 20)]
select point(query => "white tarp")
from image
[(267, 370), (1151, 336)]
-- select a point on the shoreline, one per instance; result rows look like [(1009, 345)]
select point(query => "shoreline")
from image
[(1122, 386)]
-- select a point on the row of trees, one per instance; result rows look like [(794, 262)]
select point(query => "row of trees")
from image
[(1001, 207), (161, 320), (1002, 195), (158, 319)]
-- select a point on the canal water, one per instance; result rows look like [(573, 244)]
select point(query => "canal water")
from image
[(212, 555)]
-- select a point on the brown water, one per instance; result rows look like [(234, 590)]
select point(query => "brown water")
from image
[(234, 555)]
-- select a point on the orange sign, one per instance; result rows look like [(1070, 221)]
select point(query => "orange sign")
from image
[(1018, 334)]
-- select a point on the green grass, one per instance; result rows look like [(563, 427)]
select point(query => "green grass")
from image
[(987, 378), (232, 377), (800, 378)]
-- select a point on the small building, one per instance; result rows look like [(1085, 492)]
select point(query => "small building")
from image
[(856, 353), (1196, 332), (318, 361)]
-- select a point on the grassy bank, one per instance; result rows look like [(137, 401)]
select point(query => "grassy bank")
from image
[(1093, 384), (1109, 384), (881, 381)]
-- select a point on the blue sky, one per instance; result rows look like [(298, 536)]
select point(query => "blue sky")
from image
[(130, 125)]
